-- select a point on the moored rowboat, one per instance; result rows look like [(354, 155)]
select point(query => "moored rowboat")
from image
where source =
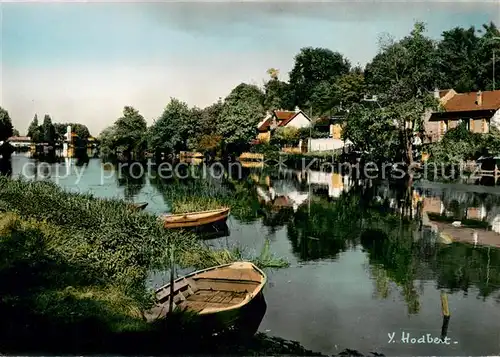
[(225, 296), (195, 219), (139, 206)]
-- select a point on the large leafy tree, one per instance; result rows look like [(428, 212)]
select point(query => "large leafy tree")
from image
[(6, 128), (489, 43), (242, 110), (15, 132), (206, 136), (402, 77), (403, 70), (315, 70), (130, 132), (173, 129), (458, 60), (278, 94), (48, 130)]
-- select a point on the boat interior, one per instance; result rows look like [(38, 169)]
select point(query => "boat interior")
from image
[(211, 290)]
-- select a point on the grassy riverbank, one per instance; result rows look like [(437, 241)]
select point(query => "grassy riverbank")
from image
[(75, 267)]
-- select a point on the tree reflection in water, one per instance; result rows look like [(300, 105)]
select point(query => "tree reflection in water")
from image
[(402, 255)]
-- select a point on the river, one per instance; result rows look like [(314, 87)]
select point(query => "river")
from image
[(347, 286)]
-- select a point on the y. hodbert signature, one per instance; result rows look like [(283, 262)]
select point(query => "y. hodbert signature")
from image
[(425, 338)]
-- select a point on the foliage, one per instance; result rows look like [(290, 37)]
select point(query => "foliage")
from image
[(464, 58), (401, 75), (285, 136), (173, 129), (48, 130), (6, 128), (403, 70), (242, 111), (32, 129), (209, 143), (15, 132), (192, 194), (459, 145), (127, 135), (314, 72), (79, 129), (278, 95)]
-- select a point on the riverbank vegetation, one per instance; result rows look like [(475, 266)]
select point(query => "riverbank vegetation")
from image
[(76, 267)]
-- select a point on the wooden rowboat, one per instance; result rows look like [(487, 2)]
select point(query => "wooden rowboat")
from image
[(139, 206), (224, 297), (196, 219)]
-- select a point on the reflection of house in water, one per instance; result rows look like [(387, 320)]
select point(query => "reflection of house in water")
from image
[(335, 182), (281, 194)]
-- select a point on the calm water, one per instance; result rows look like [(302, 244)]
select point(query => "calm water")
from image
[(348, 286)]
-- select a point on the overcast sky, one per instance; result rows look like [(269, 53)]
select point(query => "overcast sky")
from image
[(82, 62)]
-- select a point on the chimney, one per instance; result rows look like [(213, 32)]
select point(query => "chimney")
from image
[(436, 93), (297, 109), (479, 98)]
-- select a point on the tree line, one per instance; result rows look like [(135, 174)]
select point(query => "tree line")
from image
[(401, 76), (398, 82), (47, 132)]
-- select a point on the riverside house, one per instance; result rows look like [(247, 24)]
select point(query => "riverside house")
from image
[(281, 118), (479, 110)]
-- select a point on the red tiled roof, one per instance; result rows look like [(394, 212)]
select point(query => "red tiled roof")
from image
[(443, 92), (265, 125), (284, 114), (462, 102), (286, 121)]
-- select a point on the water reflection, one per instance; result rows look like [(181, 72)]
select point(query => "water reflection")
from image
[(360, 251), (132, 178)]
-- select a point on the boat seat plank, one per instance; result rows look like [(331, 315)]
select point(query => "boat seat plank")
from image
[(200, 305), (178, 286), (216, 285)]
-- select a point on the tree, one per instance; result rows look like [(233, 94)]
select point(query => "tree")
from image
[(107, 141), (242, 111), (489, 43), (403, 70), (285, 136), (312, 67), (15, 132), (48, 130), (6, 127), (278, 95), (458, 60), (33, 127), (173, 129), (349, 88), (209, 117), (402, 77), (79, 129), (130, 133)]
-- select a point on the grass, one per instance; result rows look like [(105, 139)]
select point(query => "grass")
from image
[(74, 267), (208, 258)]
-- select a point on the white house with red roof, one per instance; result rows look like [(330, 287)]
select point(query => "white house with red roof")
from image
[(281, 118)]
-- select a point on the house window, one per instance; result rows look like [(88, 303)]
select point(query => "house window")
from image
[(464, 121), (486, 126), (444, 126)]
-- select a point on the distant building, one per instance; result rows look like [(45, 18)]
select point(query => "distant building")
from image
[(478, 110), (20, 141), (281, 118)]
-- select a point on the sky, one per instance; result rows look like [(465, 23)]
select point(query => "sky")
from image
[(84, 61)]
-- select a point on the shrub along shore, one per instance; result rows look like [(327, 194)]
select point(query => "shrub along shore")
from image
[(74, 268)]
